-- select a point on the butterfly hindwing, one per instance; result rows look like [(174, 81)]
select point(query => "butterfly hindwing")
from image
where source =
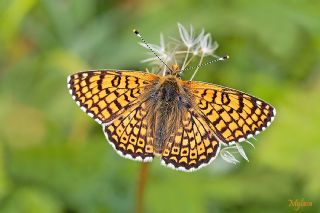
[(192, 146), (234, 115), (106, 94), (129, 134)]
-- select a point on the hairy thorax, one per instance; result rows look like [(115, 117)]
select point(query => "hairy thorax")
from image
[(168, 100)]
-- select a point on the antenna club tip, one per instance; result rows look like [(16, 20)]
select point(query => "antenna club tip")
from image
[(226, 57), (136, 31)]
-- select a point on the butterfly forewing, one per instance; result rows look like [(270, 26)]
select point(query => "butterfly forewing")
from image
[(106, 94), (233, 115)]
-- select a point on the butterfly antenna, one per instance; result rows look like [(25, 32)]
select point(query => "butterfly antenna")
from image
[(209, 62), (142, 39)]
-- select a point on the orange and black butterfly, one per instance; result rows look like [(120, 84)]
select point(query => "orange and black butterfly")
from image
[(183, 122)]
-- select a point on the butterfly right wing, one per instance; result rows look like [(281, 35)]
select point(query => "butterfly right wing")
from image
[(234, 115), (106, 94)]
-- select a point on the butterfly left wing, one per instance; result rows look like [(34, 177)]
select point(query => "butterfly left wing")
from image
[(114, 99), (192, 146), (234, 115), (106, 94)]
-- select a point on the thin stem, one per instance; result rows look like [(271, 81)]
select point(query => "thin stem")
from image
[(188, 62), (165, 67), (200, 62), (181, 52), (185, 59), (164, 71), (143, 176)]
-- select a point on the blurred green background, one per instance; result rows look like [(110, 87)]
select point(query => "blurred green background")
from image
[(54, 158)]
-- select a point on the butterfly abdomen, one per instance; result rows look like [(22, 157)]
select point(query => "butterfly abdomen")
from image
[(166, 107)]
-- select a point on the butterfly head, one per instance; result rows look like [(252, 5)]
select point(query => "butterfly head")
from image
[(175, 70)]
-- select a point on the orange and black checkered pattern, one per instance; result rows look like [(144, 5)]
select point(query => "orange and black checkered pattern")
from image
[(184, 122)]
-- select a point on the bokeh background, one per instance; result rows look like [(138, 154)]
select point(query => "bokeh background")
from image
[(54, 158)]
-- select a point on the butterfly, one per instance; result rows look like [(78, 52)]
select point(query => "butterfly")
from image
[(185, 123)]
